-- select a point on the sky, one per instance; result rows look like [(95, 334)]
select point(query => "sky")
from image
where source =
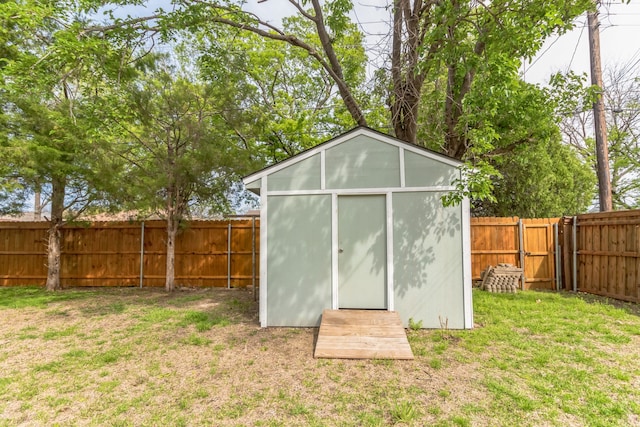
[(619, 40)]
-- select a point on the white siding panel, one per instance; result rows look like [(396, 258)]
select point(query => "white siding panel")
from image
[(428, 258), (304, 175), (299, 259), (421, 171), (362, 162)]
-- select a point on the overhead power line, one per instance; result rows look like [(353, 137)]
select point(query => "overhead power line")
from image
[(575, 49)]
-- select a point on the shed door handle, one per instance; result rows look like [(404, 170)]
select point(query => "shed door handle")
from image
[(340, 250)]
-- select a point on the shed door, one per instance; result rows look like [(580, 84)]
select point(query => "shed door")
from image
[(362, 253)]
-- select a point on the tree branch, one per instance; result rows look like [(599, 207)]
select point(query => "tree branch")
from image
[(345, 91), (134, 23), (302, 11)]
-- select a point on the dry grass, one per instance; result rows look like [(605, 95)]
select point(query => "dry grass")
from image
[(198, 357)]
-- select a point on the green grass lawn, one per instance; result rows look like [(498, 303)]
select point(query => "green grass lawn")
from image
[(142, 357)]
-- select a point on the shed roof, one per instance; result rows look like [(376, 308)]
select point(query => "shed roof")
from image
[(360, 130)]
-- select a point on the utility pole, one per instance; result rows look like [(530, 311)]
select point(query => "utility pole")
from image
[(602, 148)]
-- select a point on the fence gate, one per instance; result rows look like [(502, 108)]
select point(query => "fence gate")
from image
[(525, 243), (539, 254)]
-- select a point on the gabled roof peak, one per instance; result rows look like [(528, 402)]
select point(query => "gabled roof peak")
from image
[(357, 131)]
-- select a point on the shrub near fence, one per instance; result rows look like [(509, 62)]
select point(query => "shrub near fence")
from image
[(208, 253)]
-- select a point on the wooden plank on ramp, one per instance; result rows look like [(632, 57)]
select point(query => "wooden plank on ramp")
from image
[(362, 334)]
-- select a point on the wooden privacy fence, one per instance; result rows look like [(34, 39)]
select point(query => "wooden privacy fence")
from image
[(224, 253), (606, 256), (596, 253), (526, 243), (208, 253)]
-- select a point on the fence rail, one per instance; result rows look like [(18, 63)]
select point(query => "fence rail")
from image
[(208, 253)]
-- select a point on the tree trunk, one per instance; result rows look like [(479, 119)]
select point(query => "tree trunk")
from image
[(37, 206), (456, 141), (171, 207), (406, 75), (335, 66), (404, 107), (404, 112), (55, 224), (172, 229)]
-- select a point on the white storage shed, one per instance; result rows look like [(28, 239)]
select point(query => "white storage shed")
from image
[(357, 222)]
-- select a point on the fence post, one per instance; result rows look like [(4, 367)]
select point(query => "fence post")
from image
[(141, 253), (521, 250), (229, 255), (556, 240), (253, 255), (574, 237)]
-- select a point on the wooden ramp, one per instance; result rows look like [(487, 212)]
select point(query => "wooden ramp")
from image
[(362, 334)]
